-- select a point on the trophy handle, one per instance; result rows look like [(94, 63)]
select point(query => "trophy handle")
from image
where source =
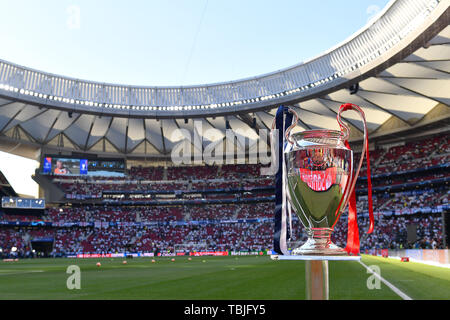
[(346, 131)]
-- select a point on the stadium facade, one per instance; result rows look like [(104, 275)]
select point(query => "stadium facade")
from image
[(396, 67)]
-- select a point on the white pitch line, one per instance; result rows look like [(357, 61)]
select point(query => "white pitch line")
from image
[(400, 293), (19, 272)]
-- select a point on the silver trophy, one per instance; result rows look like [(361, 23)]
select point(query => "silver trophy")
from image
[(319, 182)]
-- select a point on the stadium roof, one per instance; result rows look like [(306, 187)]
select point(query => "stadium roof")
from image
[(401, 62), (5, 188)]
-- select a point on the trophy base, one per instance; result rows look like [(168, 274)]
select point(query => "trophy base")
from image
[(319, 244), (311, 249)]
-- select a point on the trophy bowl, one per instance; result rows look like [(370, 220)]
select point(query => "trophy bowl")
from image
[(319, 174)]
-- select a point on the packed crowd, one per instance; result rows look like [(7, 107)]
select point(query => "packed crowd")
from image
[(91, 188), (390, 232), (421, 153), (106, 213), (424, 200), (418, 200)]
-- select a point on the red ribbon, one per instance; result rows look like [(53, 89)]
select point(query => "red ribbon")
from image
[(353, 244), (353, 232), (369, 190)]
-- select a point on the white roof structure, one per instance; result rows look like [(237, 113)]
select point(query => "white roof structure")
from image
[(400, 60)]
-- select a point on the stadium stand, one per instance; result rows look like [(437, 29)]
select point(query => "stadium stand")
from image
[(231, 207)]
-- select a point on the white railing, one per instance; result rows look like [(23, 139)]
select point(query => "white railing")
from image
[(397, 20)]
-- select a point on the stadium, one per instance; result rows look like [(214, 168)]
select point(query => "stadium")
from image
[(159, 192)]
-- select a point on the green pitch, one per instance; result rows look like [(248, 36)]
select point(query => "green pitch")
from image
[(214, 278)]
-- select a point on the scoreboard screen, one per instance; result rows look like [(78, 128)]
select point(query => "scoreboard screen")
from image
[(22, 203), (58, 165)]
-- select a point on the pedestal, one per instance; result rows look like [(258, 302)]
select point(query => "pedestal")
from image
[(316, 273), (316, 279)]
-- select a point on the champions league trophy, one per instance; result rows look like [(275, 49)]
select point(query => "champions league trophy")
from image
[(319, 182)]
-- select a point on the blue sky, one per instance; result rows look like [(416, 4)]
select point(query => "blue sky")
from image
[(143, 42), (176, 42)]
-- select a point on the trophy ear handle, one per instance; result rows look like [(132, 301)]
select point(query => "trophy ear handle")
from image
[(365, 151), (344, 127), (346, 132)]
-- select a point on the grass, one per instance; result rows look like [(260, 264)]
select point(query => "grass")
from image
[(228, 278)]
